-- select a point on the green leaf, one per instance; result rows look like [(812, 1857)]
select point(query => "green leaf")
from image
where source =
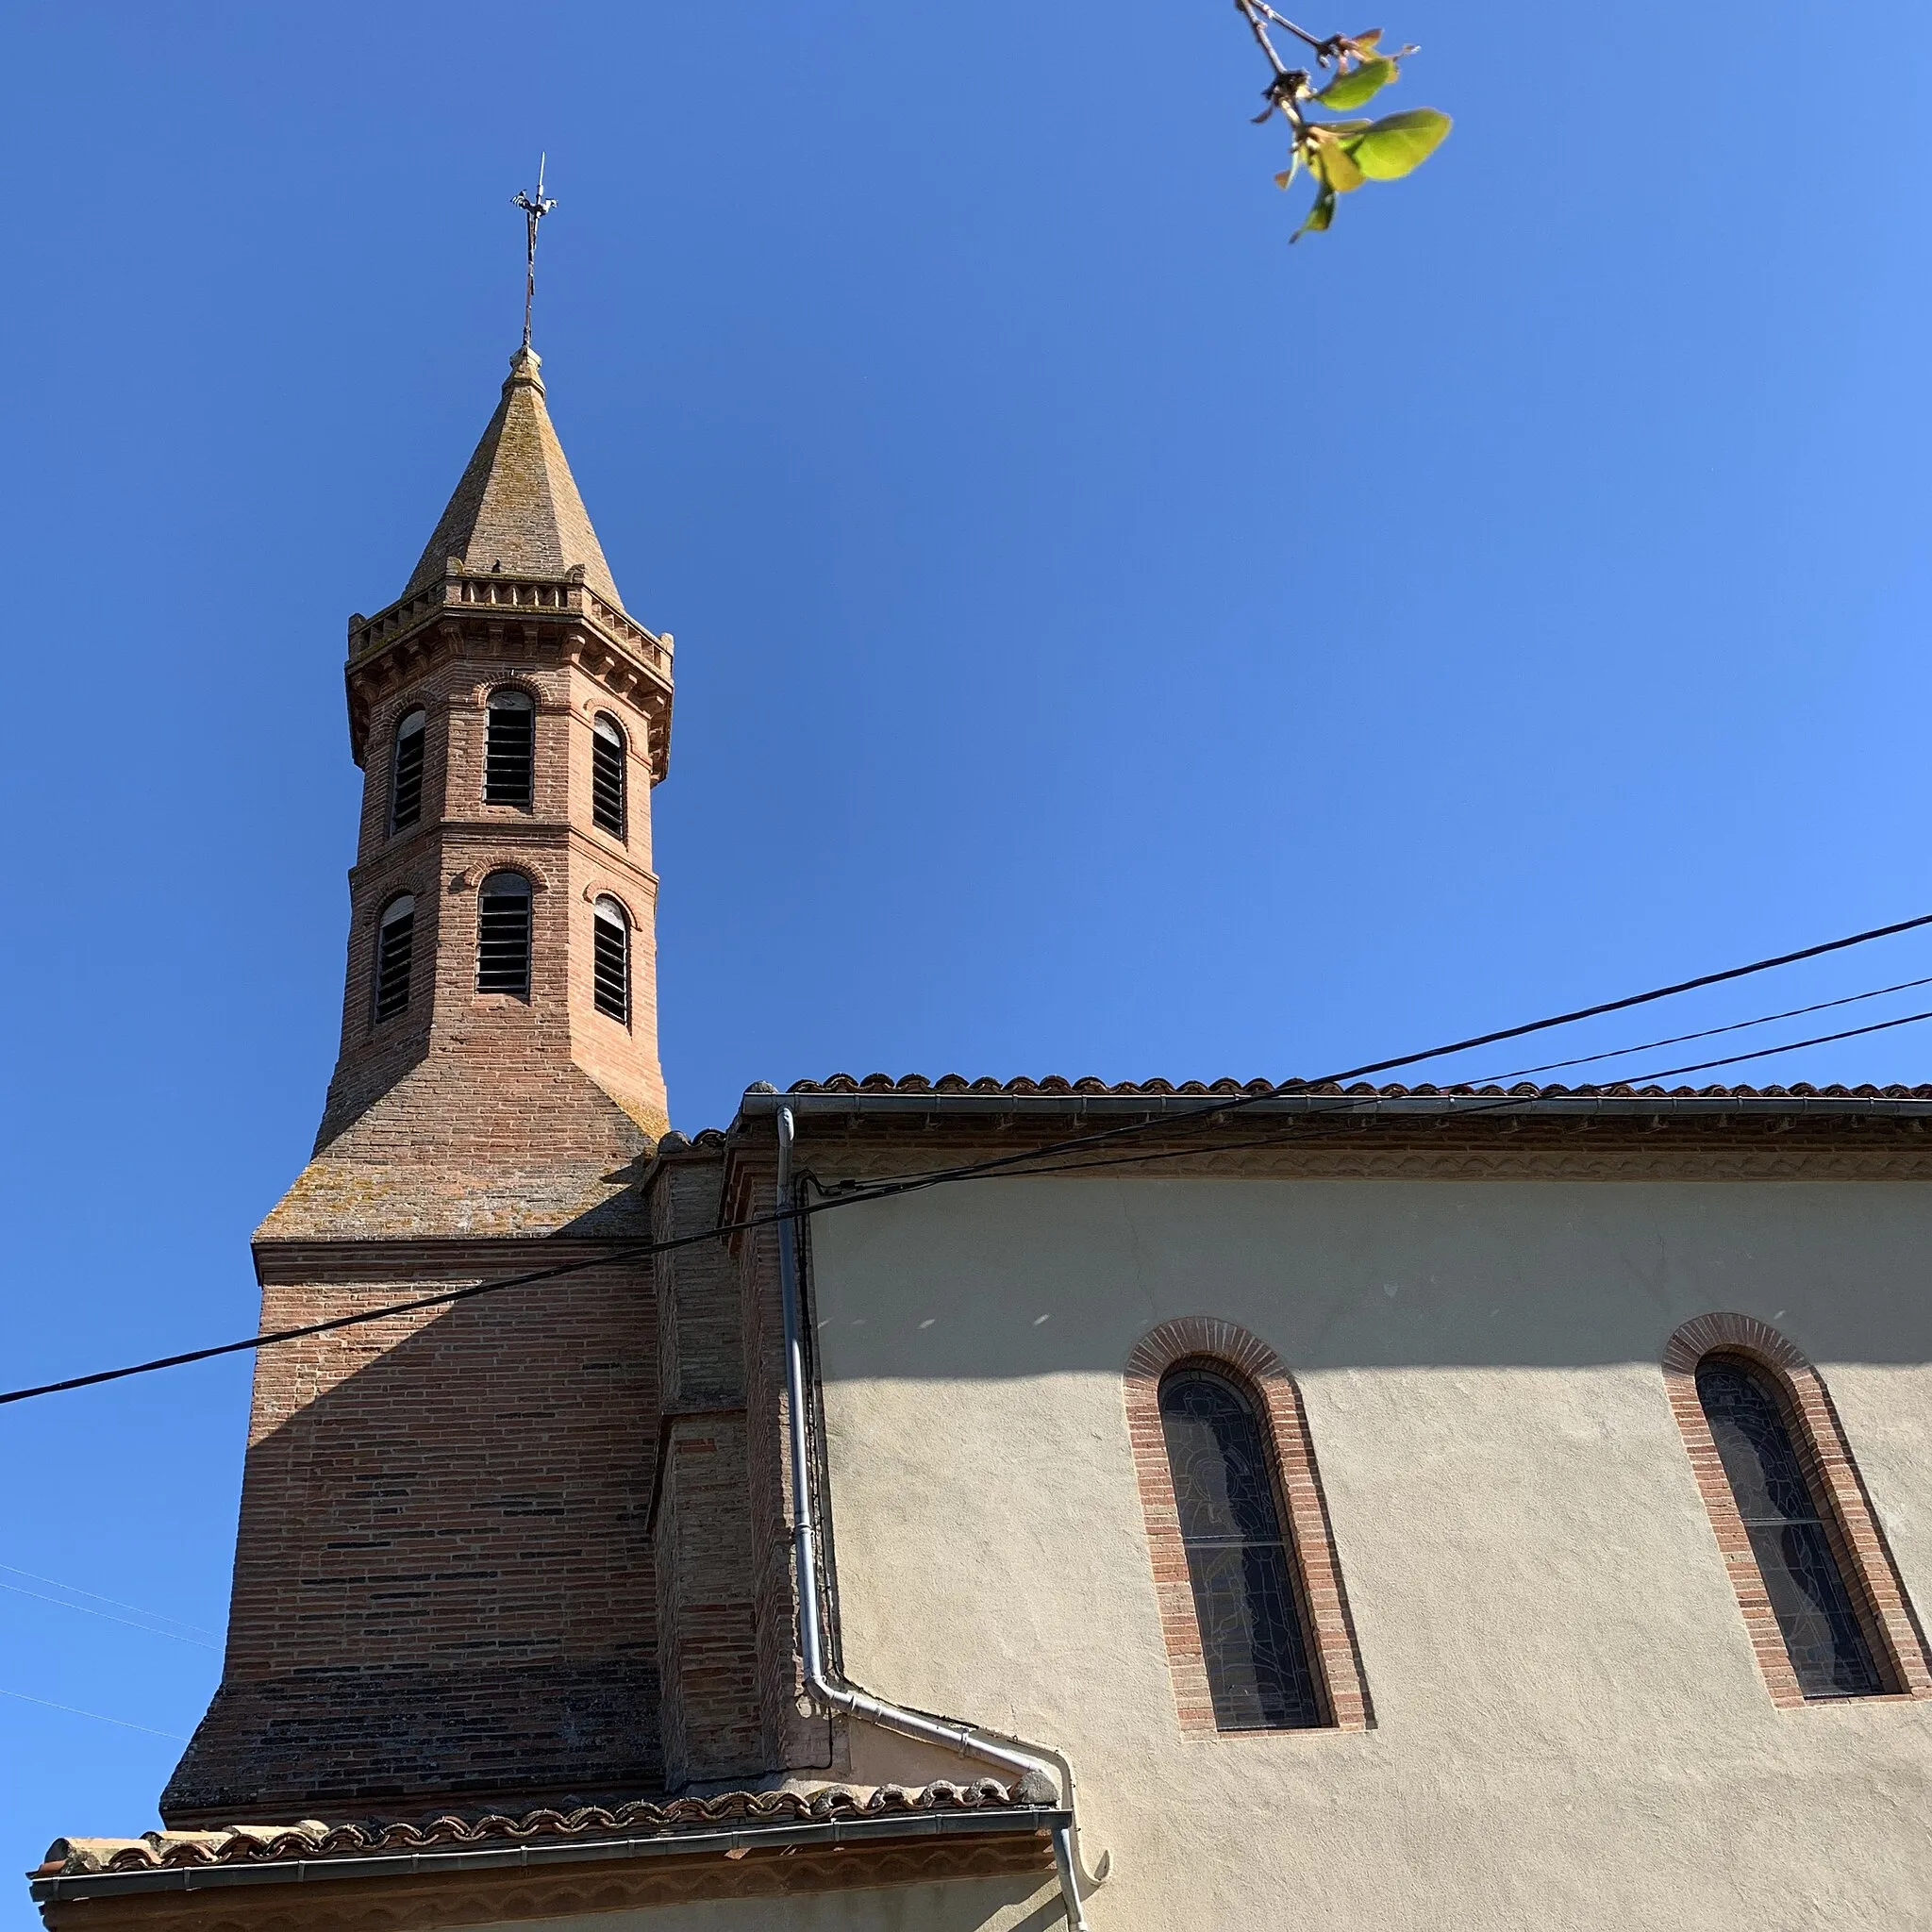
[(1335, 167), (1398, 143), (1352, 90), (1293, 168), (1318, 217)]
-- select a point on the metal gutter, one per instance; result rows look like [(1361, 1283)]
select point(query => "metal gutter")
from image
[(1044, 1821), (1047, 1770)]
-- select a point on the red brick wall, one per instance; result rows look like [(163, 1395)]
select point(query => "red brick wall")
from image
[(444, 860), (444, 1587), (702, 1527)]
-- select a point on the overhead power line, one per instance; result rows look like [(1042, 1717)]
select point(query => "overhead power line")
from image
[(1618, 1053), (99, 1717), (75, 1589), (1790, 1046), (1355, 1103), (1214, 1109), (127, 1623)]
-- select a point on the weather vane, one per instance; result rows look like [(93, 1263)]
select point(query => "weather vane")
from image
[(535, 208)]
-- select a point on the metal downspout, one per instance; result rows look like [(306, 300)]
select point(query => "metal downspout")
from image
[(1032, 1767)]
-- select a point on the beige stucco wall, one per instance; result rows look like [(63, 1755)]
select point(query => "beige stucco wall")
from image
[(1571, 1728)]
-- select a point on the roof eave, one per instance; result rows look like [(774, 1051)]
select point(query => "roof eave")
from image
[(1496, 1105), (990, 1822)]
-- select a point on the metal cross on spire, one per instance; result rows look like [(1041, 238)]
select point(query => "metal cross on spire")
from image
[(535, 208)]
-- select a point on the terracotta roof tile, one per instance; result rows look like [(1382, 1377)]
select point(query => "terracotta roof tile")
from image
[(262, 1844), (1057, 1083)]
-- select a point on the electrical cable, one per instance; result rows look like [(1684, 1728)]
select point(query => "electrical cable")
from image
[(1216, 1109), (1765, 1052), (75, 1589), (1235, 1103), (127, 1623), (1357, 1101), (1615, 1053), (75, 1710)]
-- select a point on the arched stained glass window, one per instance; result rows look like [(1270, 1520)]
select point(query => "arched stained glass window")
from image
[(1240, 1560), (1830, 1653)]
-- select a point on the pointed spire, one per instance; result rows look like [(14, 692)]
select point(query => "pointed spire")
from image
[(517, 508)]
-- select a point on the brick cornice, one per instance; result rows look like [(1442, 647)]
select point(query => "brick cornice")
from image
[(471, 612), (1333, 1651), (1389, 1154), (1857, 1538)]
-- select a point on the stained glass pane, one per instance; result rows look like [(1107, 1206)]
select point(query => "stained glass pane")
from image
[(1815, 1613), (1237, 1556)]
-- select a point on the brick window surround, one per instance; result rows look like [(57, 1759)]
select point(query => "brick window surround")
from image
[(1324, 1604), (1856, 1540)]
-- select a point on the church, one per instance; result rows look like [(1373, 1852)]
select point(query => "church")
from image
[(947, 1505)]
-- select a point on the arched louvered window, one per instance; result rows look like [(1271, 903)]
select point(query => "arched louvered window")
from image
[(1241, 1562), (611, 963), (607, 773), (1790, 1530), (509, 748), (395, 943), (406, 772), (503, 934)]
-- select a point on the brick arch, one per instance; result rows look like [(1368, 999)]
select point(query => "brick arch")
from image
[(1857, 1540), (476, 869), (601, 888), (484, 689), (386, 716), (1333, 1649)]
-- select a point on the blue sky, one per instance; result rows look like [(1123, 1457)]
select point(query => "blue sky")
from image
[(1108, 641)]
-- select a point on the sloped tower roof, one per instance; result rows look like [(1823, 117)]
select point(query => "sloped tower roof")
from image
[(517, 507)]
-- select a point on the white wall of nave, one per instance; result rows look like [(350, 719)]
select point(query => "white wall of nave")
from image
[(1570, 1731)]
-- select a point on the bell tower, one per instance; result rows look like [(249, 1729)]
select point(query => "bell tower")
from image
[(500, 1015), (445, 1584)]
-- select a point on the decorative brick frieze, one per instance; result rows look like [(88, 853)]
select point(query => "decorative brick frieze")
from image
[(1857, 1540), (1233, 1352)]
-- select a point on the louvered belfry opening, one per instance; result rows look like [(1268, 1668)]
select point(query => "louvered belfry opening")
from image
[(405, 782), (395, 944), (503, 935), (611, 959), (607, 775), (1790, 1529), (509, 750)]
